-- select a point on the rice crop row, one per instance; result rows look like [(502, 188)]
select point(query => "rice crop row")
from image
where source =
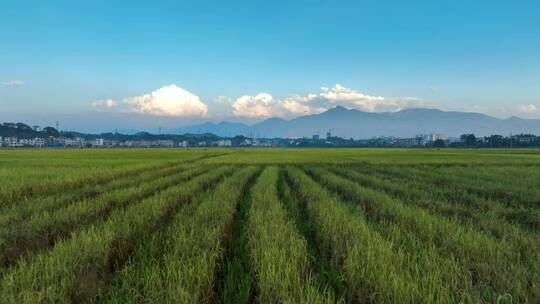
[(279, 253), (373, 270), (181, 264), (71, 271), (23, 191), (43, 229), (491, 217), (269, 226), (497, 270), (24, 209)]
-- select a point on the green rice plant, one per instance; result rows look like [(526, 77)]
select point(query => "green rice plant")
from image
[(335, 225), (496, 269), (327, 275), (459, 192), (374, 270), (44, 228), (471, 210), (506, 190), (236, 280), (73, 169), (16, 213), (504, 176), (490, 217), (513, 193), (278, 252), (181, 264), (72, 270), (20, 194)]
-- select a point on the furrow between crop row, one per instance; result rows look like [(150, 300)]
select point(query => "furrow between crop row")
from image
[(74, 187), (460, 193), (235, 277), (72, 270), (510, 195), (180, 265), (500, 175), (278, 252), (483, 215), (327, 275), (373, 271), (12, 215), (495, 267), (17, 196), (43, 229)]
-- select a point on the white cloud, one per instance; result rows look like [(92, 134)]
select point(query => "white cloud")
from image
[(350, 98), (102, 104), (302, 105), (261, 105), (13, 83), (527, 109), (264, 105), (166, 101)]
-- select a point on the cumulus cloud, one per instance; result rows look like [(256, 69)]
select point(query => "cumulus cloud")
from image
[(265, 105), (166, 101), (303, 105), (13, 83), (260, 105), (527, 109)]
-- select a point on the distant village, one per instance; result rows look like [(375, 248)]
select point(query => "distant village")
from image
[(15, 135)]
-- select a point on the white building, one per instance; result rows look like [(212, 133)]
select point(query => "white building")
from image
[(80, 141), (165, 143), (110, 143), (408, 142), (12, 142), (73, 142), (224, 143), (98, 142), (68, 142), (27, 142), (430, 138), (39, 142)]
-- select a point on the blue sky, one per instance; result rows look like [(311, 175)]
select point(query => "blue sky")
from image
[(180, 62)]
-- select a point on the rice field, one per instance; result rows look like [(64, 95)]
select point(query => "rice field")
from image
[(269, 226)]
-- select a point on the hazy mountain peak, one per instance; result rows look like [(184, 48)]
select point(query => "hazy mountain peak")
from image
[(416, 111), (338, 109), (274, 119), (358, 124)]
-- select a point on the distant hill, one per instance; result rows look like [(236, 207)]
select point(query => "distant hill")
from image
[(354, 123), (22, 130)]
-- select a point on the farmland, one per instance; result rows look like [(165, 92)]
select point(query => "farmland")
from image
[(269, 226)]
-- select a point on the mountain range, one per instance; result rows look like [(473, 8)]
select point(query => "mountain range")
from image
[(347, 123)]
